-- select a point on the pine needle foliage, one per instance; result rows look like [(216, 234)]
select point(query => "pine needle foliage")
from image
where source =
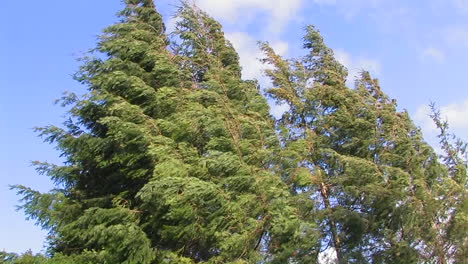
[(167, 154), (377, 191), (171, 157)]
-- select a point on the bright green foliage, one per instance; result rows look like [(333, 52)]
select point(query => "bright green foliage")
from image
[(371, 183), (26, 258), (29, 258), (170, 157), (108, 143), (167, 155), (234, 138), (7, 257)]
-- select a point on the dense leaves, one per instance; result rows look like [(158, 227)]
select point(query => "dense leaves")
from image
[(171, 157), (376, 190), (167, 155)]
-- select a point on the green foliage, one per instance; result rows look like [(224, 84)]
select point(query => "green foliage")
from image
[(375, 189), (167, 155), (171, 157)]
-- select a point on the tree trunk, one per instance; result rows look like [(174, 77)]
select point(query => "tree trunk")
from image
[(331, 222)]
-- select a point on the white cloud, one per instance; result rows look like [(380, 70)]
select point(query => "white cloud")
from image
[(370, 65), (249, 53), (280, 47), (433, 53), (455, 113), (279, 12), (357, 64)]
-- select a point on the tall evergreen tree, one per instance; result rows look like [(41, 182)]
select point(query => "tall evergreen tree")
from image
[(170, 157), (111, 144), (445, 208), (372, 181), (167, 155)]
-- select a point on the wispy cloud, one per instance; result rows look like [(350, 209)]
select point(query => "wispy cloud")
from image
[(356, 64), (433, 54), (249, 53), (455, 113), (279, 12)]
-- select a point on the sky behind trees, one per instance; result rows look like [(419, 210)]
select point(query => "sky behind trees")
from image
[(417, 49)]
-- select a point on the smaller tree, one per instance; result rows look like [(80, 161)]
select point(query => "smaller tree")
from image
[(451, 217), (371, 184)]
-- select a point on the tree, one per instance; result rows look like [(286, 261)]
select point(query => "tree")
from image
[(171, 157), (167, 155), (109, 142), (447, 242), (370, 180)]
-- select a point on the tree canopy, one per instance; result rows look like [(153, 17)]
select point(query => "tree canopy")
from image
[(172, 157)]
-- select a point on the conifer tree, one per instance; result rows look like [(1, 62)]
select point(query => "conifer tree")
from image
[(444, 208), (110, 144), (372, 182), (167, 155), (171, 157)]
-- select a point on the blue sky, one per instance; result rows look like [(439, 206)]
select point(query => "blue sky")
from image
[(418, 49)]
